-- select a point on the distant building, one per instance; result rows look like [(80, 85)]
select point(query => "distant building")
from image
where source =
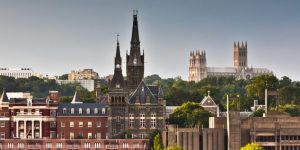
[(198, 69), (17, 73), (88, 84), (209, 105), (85, 74)]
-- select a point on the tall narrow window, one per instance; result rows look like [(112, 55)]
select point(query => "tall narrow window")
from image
[(131, 120), (142, 120), (153, 120)]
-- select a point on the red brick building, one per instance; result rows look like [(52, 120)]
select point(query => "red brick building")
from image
[(77, 120)]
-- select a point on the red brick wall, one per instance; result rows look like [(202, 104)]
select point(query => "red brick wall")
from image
[(85, 129)]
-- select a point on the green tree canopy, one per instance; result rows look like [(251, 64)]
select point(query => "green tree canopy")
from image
[(174, 148), (190, 114), (157, 142), (252, 146)]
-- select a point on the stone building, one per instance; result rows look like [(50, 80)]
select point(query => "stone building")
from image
[(198, 69), (85, 74), (133, 106)]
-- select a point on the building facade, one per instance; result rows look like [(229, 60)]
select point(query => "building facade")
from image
[(198, 69), (85, 74), (17, 73), (87, 84), (133, 107)]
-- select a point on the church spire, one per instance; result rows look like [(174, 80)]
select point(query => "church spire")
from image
[(135, 39), (118, 59)]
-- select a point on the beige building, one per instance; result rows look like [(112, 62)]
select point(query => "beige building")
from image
[(85, 74), (198, 69)]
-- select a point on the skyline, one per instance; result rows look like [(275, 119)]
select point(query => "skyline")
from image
[(84, 34)]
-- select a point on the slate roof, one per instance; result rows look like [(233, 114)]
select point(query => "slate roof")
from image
[(141, 93), (84, 106)]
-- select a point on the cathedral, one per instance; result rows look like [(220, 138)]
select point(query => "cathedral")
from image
[(133, 107), (198, 69)]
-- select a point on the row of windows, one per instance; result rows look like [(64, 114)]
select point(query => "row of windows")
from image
[(80, 110), (81, 124), (85, 145)]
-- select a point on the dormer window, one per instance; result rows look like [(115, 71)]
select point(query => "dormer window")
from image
[(29, 102), (80, 110), (65, 111), (95, 110), (117, 85), (72, 111), (88, 111), (103, 110)]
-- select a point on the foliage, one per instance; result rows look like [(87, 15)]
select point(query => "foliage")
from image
[(258, 113), (177, 147), (157, 142), (190, 114), (40, 88), (290, 109), (252, 146), (63, 77), (178, 91)]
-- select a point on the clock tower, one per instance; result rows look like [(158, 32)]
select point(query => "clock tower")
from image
[(134, 60)]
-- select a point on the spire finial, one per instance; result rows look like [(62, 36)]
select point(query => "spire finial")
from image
[(208, 93), (118, 39)]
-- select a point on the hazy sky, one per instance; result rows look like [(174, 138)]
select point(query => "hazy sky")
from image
[(56, 36)]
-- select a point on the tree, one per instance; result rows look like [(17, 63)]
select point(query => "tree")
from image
[(190, 114), (252, 146), (174, 148), (157, 142), (258, 113), (63, 77)]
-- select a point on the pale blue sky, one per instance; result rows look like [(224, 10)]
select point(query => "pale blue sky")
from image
[(56, 36)]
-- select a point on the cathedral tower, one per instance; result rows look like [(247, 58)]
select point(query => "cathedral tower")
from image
[(240, 55), (197, 66), (118, 99), (134, 60)]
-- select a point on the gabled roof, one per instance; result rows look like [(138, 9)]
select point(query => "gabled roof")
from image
[(141, 93), (4, 97), (207, 101)]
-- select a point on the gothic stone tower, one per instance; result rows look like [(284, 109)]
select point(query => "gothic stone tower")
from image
[(117, 100), (240, 55), (197, 66), (134, 61)]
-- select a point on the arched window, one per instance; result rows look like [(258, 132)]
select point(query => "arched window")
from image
[(80, 110), (72, 111), (103, 110), (95, 110), (88, 111), (65, 111)]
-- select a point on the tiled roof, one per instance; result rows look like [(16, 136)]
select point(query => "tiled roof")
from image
[(64, 109)]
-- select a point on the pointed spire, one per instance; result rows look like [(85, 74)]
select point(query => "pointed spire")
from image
[(135, 40), (4, 97), (118, 55), (246, 44), (242, 44), (234, 45), (208, 93), (238, 45), (76, 97)]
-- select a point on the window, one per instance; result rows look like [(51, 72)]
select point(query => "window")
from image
[(80, 110), (72, 111), (52, 135), (80, 135), (48, 145), (125, 145), (62, 135), (90, 124), (65, 111), (72, 124), (2, 124), (97, 145), (153, 120), (20, 145), (95, 110), (10, 145), (71, 135), (98, 135), (62, 124), (59, 145), (2, 135), (142, 120), (103, 110), (90, 135), (99, 124), (131, 120), (52, 124), (80, 124), (136, 145), (88, 111), (87, 145)]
